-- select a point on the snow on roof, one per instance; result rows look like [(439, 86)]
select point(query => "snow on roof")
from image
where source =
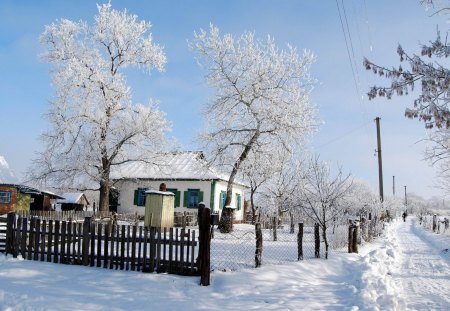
[(189, 165), (71, 197)]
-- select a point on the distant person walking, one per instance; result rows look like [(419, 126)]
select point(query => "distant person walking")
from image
[(404, 216)]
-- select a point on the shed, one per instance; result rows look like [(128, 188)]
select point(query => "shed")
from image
[(73, 201)]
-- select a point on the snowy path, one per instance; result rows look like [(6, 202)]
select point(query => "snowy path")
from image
[(423, 269)]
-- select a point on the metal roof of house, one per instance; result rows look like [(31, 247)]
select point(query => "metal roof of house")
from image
[(189, 165), (31, 190)]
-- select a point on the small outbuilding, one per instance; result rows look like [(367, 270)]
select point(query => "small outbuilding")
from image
[(15, 198), (72, 201)]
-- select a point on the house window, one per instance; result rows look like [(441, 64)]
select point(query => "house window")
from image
[(238, 201), (5, 197), (223, 199), (177, 196), (139, 196), (192, 197)]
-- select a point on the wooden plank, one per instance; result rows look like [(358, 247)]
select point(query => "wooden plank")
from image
[(158, 251), (37, 237), (127, 256), (31, 239), (106, 245), (122, 248), (170, 250), (175, 267), (139, 263), (50, 241), (74, 242), (133, 248), (165, 246), (62, 254), (144, 262), (69, 238), (188, 248), (117, 246), (152, 250), (79, 244), (43, 235), (193, 252), (86, 236), (181, 262), (111, 259), (99, 245), (23, 241), (92, 240), (56, 242), (18, 234)]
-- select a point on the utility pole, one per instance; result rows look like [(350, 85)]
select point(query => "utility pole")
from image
[(393, 186), (380, 167), (406, 199)]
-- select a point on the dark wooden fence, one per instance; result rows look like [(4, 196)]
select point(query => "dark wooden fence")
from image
[(2, 234), (107, 245)]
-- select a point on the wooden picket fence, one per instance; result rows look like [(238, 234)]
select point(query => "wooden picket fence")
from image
[(107, 245), (2, 234)]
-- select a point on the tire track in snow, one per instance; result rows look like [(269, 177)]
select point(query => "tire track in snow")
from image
[(422, 271)]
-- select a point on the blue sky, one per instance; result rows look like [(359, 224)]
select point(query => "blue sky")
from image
[(348, 136)]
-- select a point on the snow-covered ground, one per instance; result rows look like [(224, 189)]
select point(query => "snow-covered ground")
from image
[(405, 269)]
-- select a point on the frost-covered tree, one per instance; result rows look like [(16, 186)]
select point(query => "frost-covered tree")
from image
[(261, 98), (427, 70), (322, 195), (257, 172), (94, 126)]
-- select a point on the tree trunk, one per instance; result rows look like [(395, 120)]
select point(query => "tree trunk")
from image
[(104, 196), (226, 220), (325, 240)]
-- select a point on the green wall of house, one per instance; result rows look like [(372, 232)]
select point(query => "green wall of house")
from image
[(23, 202)]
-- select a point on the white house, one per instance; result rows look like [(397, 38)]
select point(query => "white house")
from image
[(186, 174)]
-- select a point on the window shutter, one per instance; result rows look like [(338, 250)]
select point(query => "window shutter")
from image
[(177, 198), (200, 196), (185, 198), (136, 194), (238, 202)]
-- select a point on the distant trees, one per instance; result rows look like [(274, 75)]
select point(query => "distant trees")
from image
[(261, 100), (94, 125), (322, 195)]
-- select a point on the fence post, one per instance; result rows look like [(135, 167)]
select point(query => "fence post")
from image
[(350, 238), (434, 223), (274, 225), (316, 240), (355, 238), (9, 247), (204, 225), (300, 241), (259, 245), (86, 234)]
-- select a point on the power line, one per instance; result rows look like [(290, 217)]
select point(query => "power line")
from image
[(343, 135)]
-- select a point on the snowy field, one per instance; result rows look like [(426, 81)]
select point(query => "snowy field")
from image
[(406, 269)]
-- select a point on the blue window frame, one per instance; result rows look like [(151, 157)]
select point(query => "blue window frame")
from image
[(223, 199), (5, 197), (238, 201)]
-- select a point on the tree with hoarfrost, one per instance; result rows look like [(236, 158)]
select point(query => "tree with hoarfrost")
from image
[(95, 127), (323, 195), (427, 70), (261, 99)]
